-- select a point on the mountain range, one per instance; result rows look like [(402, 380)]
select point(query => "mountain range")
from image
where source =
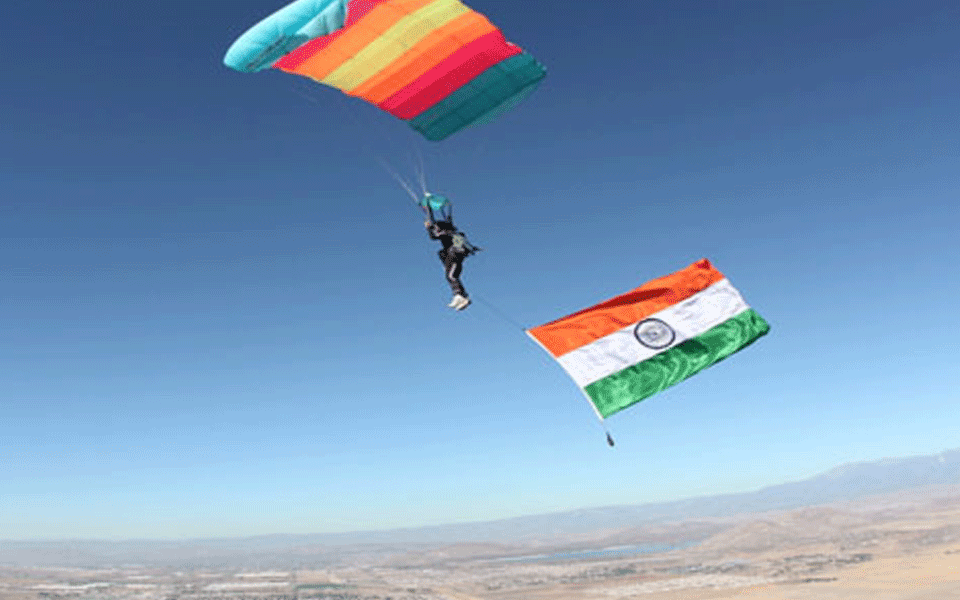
[(848, 482)]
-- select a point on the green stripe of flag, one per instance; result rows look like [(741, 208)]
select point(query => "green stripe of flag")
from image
[(633, 384)]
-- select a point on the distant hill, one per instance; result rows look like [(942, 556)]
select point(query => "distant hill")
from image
[(846, 482)]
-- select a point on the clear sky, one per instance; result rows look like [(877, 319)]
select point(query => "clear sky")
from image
[(220, 316)]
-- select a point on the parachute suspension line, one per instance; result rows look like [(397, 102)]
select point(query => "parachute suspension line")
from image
[(308, 91), (508, 319), (422, 172), (403, 183)]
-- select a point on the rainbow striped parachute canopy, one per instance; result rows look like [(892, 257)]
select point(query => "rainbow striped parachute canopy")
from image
[(434, 63)]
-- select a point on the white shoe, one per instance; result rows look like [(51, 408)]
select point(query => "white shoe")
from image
[(463, 303), (457, 300)]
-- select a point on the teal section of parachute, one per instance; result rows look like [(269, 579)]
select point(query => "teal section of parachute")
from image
[(285, 31), (492, 93)]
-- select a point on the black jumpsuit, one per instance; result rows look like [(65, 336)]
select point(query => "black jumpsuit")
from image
[(450, 256)]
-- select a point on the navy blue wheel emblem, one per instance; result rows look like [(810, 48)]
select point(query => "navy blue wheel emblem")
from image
[(654, 334)]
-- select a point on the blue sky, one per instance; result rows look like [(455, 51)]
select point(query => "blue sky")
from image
[(220, 316)]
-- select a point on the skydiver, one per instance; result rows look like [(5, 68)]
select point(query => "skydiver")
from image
[(455, 249)]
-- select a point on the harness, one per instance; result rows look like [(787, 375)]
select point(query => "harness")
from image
[(462, 245)]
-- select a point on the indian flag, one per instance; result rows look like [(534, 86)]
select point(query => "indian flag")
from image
[(639, 343)]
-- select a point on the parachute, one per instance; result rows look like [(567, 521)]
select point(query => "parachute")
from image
[(436, 64)]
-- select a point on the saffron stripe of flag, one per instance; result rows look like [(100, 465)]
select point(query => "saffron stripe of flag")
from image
[(630, 347)]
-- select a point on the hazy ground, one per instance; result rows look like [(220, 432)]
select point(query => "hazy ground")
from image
[(899, 546)]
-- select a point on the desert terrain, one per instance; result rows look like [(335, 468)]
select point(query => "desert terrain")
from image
[(904, 545)]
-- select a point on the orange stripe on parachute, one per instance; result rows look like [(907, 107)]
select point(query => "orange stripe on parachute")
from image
[(356, 38), (585, 326), (440, 44), (356, 10)]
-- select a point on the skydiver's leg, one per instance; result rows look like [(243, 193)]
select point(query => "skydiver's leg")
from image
[(452, 267)]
